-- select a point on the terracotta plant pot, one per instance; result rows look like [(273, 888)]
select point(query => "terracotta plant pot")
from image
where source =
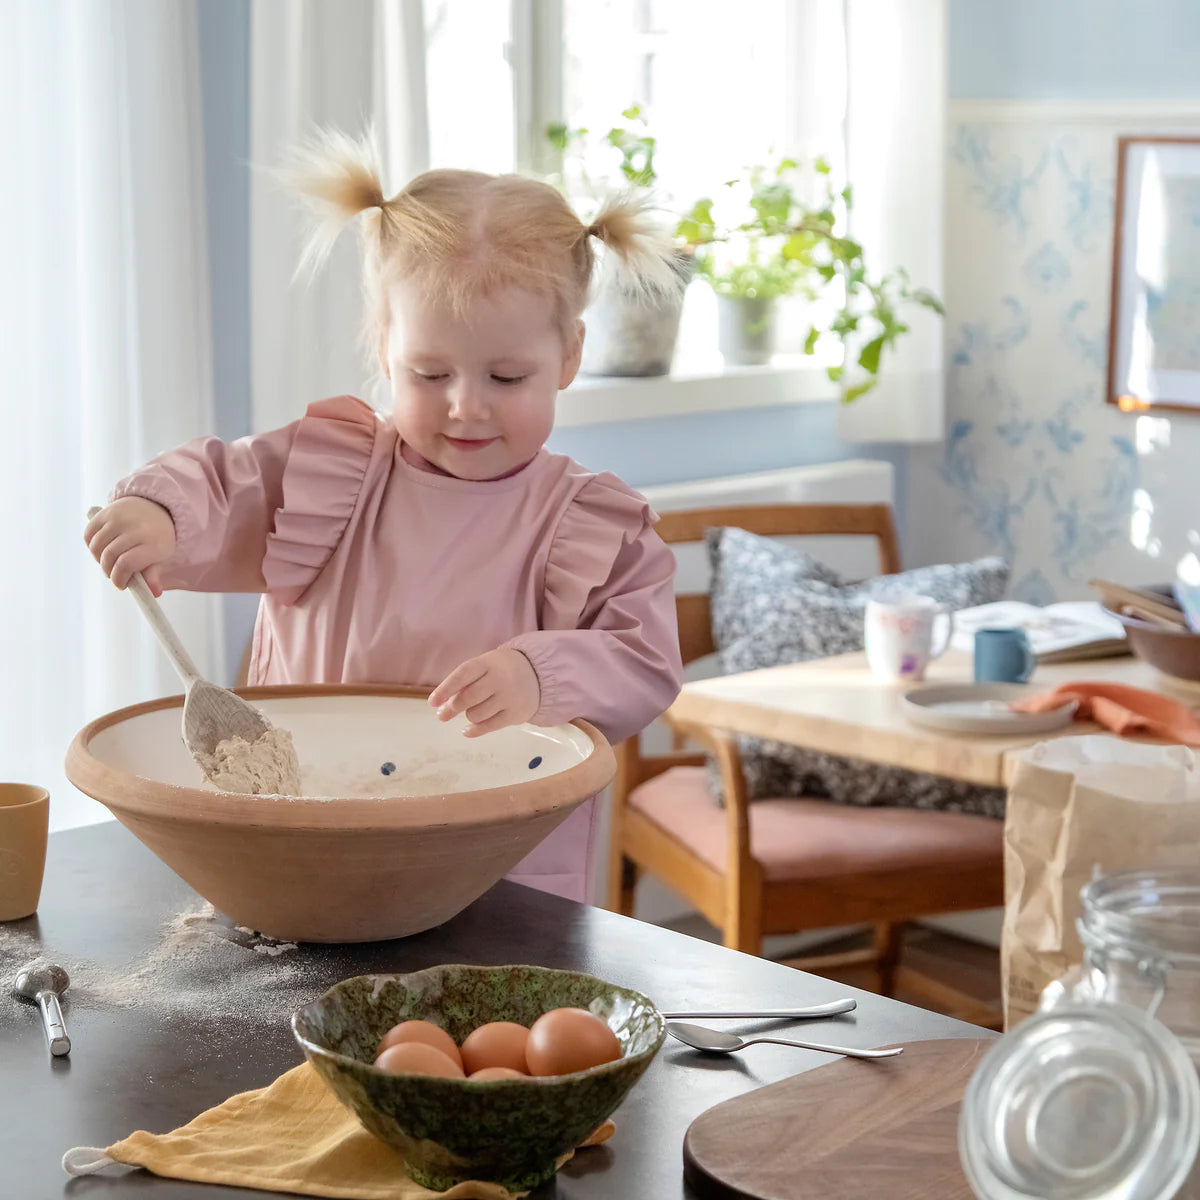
[(350, 868)]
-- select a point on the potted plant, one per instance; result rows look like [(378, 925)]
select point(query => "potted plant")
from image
[(764, 241), (629, 333)]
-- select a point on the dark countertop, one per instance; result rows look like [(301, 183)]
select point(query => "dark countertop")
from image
[(215, 1018)]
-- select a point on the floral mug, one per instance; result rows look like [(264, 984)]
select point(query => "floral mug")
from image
[(900, 636)]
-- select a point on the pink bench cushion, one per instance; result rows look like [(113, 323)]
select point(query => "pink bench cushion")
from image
[(807, 839)]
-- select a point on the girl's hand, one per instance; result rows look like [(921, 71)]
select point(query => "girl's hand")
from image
[(496, 689), (131, 534)]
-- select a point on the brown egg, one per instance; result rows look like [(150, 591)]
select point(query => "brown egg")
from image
[(417, 1058), (497, 1044), (497, 1073), (569, 1039), (420, 1031)]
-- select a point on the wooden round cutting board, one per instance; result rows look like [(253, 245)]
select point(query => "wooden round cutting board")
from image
[(854, 1130)]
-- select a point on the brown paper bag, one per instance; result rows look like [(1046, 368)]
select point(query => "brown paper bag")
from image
[(1074, 806)]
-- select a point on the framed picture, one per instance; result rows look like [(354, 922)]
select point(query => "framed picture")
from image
[(1154, 326)]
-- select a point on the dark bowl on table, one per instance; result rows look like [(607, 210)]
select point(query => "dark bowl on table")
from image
[(1173, 652), (507, 1131)]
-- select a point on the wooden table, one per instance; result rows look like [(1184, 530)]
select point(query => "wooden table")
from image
[(837, 706), (104, 904)]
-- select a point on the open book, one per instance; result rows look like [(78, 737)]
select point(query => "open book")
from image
[(1074, 629)]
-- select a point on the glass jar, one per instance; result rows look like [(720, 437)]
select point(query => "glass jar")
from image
[(1141, 937), (1098, 1095)]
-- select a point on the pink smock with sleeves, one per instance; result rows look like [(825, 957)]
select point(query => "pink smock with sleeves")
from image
[(376, 570)]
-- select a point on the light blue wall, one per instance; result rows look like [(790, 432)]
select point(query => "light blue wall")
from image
[(706, 445), (1074, 49), (224, 28), (224, 32), (1037, 466)]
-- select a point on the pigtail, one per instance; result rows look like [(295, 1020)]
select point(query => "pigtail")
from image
[(644, 258), (337, 177)]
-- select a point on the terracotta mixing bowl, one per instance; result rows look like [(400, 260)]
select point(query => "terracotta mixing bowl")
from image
[(511, 1130), (352, 867)]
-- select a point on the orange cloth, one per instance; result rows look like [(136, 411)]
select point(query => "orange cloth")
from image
[(1127, 711)]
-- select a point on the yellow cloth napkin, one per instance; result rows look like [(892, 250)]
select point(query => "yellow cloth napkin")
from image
[(293, 1136)]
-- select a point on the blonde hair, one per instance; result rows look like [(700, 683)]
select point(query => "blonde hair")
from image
[(466, 234)]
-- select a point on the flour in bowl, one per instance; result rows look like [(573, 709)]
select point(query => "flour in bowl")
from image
[(425, 773), (265, 766)]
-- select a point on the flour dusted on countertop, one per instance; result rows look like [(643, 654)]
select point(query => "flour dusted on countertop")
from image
[(265, 766), (194, 968)]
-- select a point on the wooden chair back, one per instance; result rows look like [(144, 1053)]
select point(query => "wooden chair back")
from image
[(769, 520)]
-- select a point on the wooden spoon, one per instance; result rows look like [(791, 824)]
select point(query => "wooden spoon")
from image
[(211, 714)]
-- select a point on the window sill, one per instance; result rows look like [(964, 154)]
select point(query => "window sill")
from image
[(712, 387)]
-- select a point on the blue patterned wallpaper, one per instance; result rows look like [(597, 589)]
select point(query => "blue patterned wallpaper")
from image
[(1035, 465)]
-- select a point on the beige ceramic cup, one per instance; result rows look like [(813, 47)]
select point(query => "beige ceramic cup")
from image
[(24, 821)]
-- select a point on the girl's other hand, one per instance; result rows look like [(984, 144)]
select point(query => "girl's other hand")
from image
[(496, 689), (130, 535)]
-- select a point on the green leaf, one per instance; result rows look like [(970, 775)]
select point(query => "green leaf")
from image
[(868, 357), (558, 135), (799, 247), (821, 165), (826, 271), (850, 394), (834, 373), (632, 113), (787, 164), (848, 195), (927, 299), (810, 342)]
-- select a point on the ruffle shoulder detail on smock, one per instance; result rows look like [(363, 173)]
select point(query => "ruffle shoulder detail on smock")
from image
[(605, 516), (322, 482)]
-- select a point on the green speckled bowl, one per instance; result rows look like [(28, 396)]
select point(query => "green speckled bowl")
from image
[(508, 1131)]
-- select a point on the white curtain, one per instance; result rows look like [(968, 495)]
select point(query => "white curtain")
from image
[(895, 55), (105, 352), (315, 64)]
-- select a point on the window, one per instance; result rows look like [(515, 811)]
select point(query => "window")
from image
[(711, 84), (469, 84), (715, 87), (721, 87)]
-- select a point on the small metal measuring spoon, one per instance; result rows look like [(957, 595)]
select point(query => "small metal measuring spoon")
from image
[(42, 984), (713, 1041)]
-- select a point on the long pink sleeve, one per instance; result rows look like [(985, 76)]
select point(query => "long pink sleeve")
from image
[(222, 498), (608, 649)]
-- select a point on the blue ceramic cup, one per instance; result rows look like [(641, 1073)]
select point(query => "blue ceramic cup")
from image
[(1003, 656)]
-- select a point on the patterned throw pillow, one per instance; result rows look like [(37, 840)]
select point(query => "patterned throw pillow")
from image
[(773, 605)]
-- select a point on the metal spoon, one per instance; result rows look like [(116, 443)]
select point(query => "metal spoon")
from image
[(42, 983), (713, 1041), (833, 1009)]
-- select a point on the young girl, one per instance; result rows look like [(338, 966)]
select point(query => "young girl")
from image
[(443, 546)]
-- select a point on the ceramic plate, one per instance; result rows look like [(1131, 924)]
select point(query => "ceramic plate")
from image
[(980, 708)]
